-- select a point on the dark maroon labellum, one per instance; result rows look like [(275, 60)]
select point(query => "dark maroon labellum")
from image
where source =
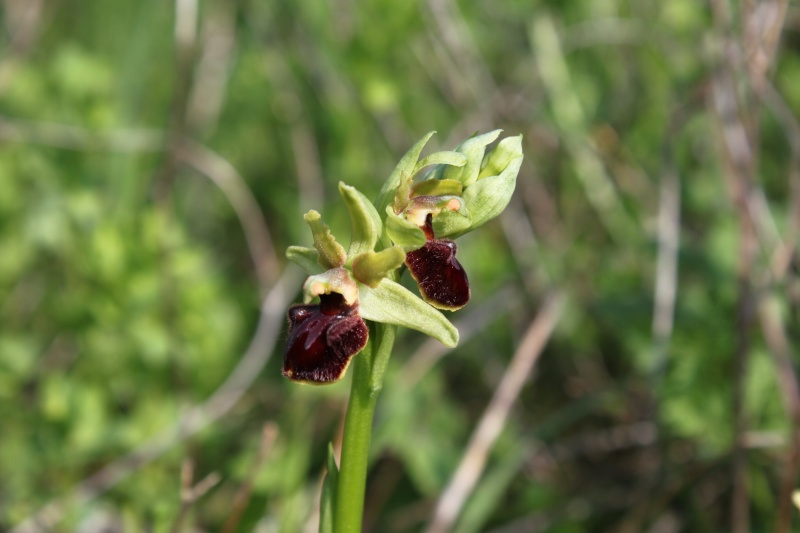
[(442, 280), (322, 340)]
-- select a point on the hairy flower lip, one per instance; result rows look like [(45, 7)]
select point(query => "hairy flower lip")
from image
[(322, 340), (441, 279)]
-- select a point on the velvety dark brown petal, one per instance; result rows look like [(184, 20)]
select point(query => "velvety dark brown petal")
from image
[(442, 280), (322, 340)]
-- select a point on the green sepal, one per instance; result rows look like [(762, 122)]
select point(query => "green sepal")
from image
[(331, 253), (453, 159), (404, 168), (450, 223), (403, 193), (371, 267), (437, 188), (307, 258), (329, 493), (402, 232), (391, 303), (473, 148), (366, 222), (487, 197), (506, 152)]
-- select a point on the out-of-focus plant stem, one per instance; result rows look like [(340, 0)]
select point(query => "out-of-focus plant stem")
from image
[(364, 392)]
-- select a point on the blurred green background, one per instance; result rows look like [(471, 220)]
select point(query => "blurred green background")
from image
[(155, 161)]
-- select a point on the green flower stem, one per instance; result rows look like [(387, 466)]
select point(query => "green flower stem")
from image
[(366, 385)]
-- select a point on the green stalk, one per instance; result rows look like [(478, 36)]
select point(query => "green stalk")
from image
[(366, 385)]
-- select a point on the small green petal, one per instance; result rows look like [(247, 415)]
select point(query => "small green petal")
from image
[(454, 159), (371, 267), (307, 258), (473, 148), (366, 222), (391, 303), (420, 207), (508, 150), (336, 280), (404, 233), (437, 188), (331, 253), (405, 168)]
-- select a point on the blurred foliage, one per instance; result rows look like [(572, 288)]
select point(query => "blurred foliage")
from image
[(128, 294)]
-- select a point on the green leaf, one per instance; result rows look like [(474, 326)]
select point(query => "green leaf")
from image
[(473, 148), (404, 233), (507, 151), (437, 188), (371, 267), (307, 258), (328, 500), (366, 222), (404, 168), (331, 253), (454, 159), (391, 303)]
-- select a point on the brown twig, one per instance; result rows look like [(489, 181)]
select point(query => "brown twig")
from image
[(494, 417), (268, 435), (191, 493), (241, 198), (207, 94), (780, 348), (739, 153)]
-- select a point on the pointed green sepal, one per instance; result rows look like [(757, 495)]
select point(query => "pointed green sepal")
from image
[(391, 303), (307, 258), (331, 253), (404, 168), (453, 159), (474, 149), (371, 267), (487, 197), (451, 223), (437, 188), (366, 222), (328, 500), (506, 152), (336, 280), (404, 233), (403, 193)]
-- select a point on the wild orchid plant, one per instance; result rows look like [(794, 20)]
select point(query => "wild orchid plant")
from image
[(361, 303)]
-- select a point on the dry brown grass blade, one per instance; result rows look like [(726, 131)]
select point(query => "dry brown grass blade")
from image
[(494, 417)]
